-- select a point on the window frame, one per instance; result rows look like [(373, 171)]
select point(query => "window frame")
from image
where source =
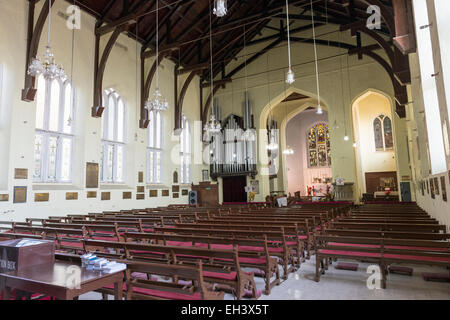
[(382, 118), (185, 155), (115, 143), (155, 147), (308, 149), (60, 135)]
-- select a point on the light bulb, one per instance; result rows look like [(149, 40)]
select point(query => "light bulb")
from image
[(354, 145), (290, 77), (319, 109), (346, 138)]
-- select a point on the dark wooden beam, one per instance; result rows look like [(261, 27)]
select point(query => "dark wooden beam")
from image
[(179, 104), (99, 70), (34, 36), (405, 37)]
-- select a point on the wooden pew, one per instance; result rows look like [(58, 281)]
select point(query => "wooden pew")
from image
[(221, 266), (138, 288), (381, 251)]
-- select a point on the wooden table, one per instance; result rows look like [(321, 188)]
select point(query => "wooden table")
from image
[(56, 280)]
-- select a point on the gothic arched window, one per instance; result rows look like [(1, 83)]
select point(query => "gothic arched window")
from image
[(112, 169), (382, 127), (318, 148), (154, 147), (53, 140)]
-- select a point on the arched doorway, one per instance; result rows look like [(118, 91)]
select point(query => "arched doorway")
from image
[(308, 135), (375, 146)]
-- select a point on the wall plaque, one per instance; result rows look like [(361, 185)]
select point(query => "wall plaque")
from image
[(175, 188), (184, 192), (91, 175), (175, 177), (432, 188), (41, 197), (140, 176), (436, 186), (91, 194), (141, 189), (4, 197), (444, 189), (153, 193), (71, 195), (20, 173), (20, 195), (126, 195), (106, 196), (140, 196), (175, 195), (165, 193)]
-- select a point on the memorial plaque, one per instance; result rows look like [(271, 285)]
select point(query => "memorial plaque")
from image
[(106, 196), (140, 196), (41, 197), (91, 175), (165, 193), (140, 176), (153, 193), (4, 197), (126, 195), (71, 195), (140, 189), (175, 177), (175, 195), (444, 189), (175, 188), (184, 192), (20, 173), (92, 194), (20, 195)]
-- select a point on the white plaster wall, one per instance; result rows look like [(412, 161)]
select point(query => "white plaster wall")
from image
[(17, 117)]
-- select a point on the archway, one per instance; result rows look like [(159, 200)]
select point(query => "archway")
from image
[(283, 108), (373, 131)]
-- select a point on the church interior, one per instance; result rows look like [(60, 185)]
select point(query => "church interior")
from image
[(224, 149)]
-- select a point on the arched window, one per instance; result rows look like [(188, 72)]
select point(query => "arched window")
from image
[(382, 128), (53, 142), (112, 166), (154, 147), (185, 151), (319, 146)]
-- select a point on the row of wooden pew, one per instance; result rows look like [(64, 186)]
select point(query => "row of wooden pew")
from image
[(170, 237), (385, 235)]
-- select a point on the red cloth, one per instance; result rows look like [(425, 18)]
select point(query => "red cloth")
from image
[(218, 275)]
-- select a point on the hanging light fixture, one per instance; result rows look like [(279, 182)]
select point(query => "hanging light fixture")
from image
[(213, 126), (319, 107), (157, 102), (250, 133), (290, 78), (288, 151), (49, 69), (220, 8)]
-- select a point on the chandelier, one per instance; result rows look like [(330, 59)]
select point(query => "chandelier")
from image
[(290, 79), (220, 8), (288, 151), (157, 102), (213, 126), (49, 69)]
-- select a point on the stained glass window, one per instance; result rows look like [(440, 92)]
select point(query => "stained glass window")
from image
[(382, 128), (53, 141), (319, 151)]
